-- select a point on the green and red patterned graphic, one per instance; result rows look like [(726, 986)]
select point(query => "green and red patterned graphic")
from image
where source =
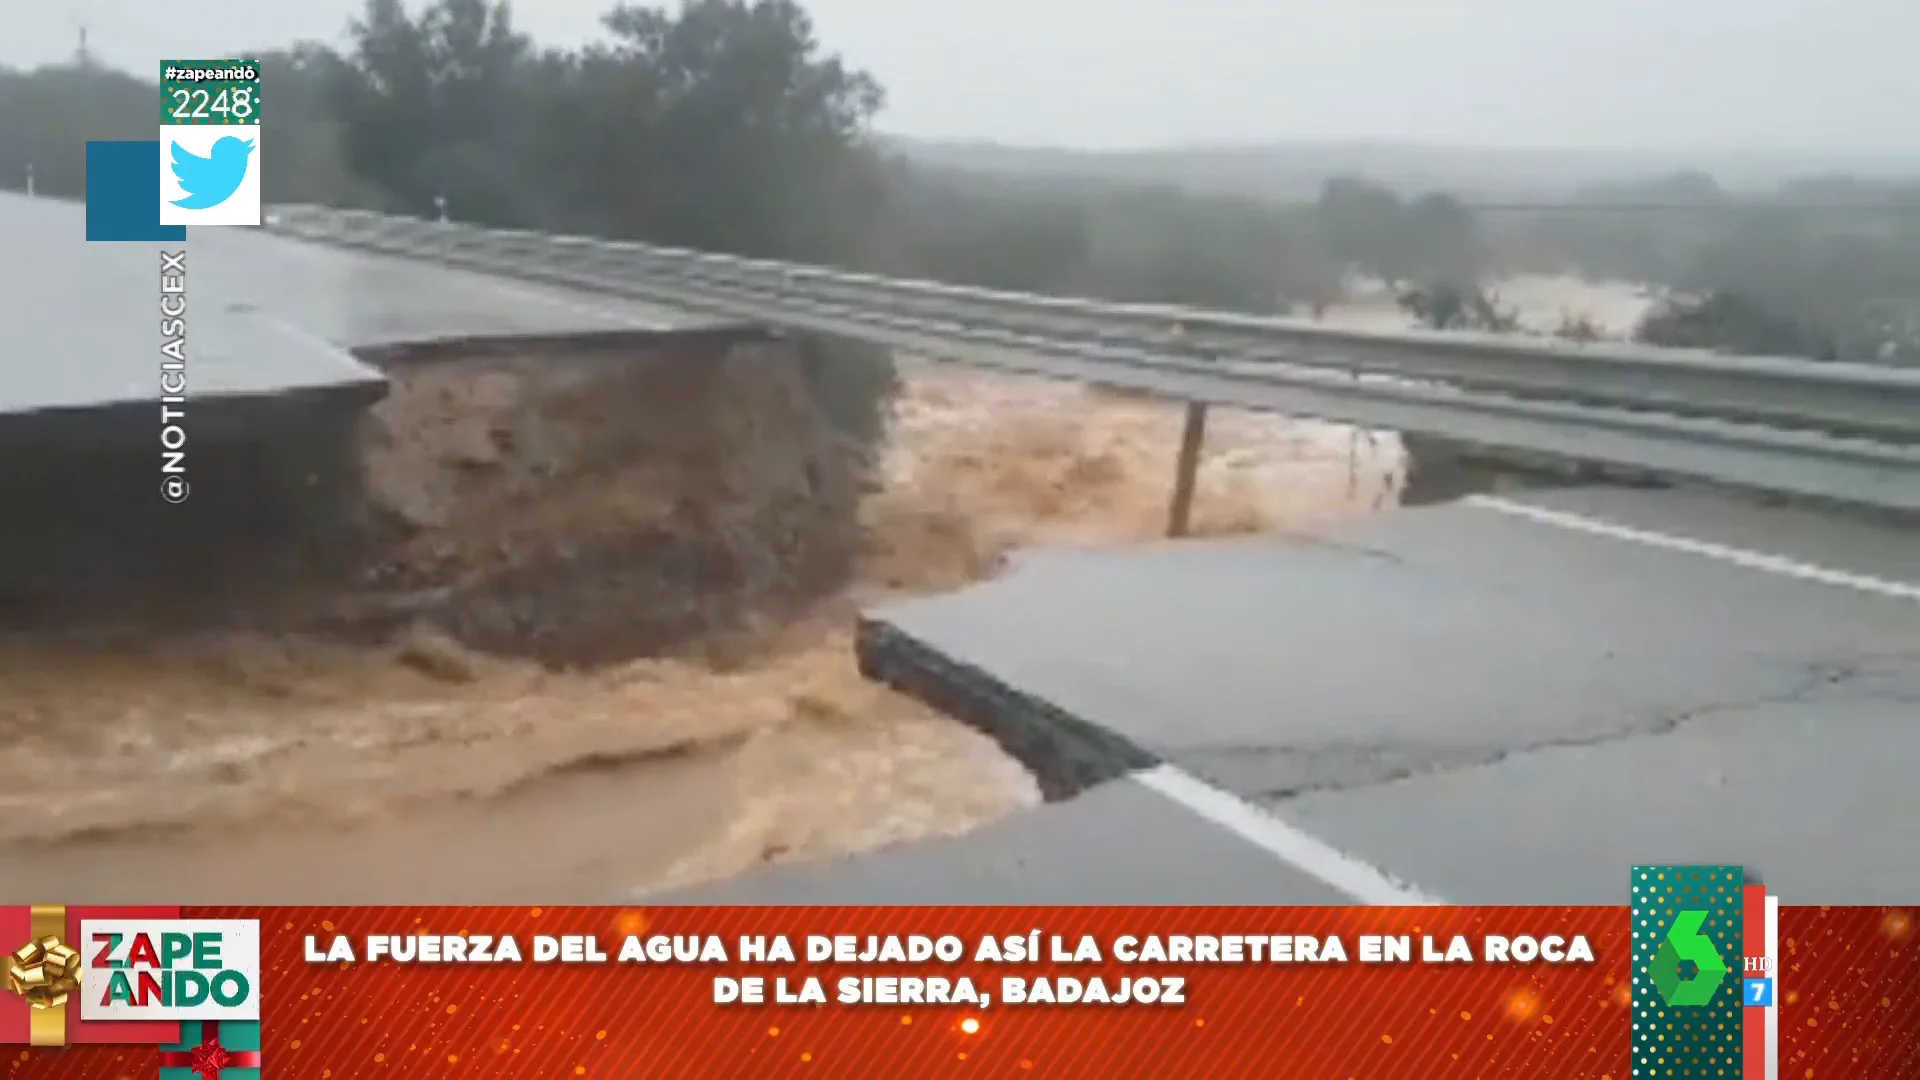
[(1687, 931), (227, 1050)]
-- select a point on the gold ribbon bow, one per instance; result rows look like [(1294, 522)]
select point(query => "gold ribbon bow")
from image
[(46, 971)]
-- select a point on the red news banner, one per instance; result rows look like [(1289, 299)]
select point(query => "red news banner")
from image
[(1059, 992)]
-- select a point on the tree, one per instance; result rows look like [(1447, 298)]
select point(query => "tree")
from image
[(51, 112), (728, 125), (1434, 238), (1732, 322), (425, 102), (308, 162), (1438, 241), (1357, 220), (760, 126)]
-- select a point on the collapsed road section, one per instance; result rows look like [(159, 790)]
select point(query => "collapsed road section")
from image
[(583, 623), (583, 598), (615, 559)]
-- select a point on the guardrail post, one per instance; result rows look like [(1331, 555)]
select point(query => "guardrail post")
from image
[(1186, 470)]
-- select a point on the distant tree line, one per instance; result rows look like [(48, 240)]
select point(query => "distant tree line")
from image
[(728, 125)]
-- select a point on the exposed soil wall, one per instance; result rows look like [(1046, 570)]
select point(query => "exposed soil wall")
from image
[(581, 501), (585, 508)]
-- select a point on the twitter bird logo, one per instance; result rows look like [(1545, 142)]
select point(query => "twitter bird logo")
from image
[(211, 180)]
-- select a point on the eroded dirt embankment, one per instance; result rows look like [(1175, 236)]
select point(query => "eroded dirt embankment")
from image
[(589, 629)]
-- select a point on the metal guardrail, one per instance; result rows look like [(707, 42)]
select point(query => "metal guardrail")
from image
[(1847, 432)]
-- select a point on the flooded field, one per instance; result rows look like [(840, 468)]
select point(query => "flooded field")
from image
[(1539, 303)]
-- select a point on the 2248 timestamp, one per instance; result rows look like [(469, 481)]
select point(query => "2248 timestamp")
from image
[(229, 104)]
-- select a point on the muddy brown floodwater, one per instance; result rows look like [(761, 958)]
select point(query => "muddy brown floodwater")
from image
[(497, 742)]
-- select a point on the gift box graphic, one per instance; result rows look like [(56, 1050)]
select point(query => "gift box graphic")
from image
[(44, 977), (213, 1050)]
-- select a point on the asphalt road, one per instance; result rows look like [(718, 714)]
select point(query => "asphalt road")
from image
[(80, 322), (1494, 701), (1477, 702)]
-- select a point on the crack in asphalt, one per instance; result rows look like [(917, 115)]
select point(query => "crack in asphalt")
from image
[(1348, 547), (1368, 764)]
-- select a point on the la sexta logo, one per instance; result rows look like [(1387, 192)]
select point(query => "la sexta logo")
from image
[(1686, 943)]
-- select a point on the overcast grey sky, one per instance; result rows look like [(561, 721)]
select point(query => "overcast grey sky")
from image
[(1619, 74)]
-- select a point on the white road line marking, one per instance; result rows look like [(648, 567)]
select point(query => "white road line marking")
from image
[(1733, 556), (1305, 853)]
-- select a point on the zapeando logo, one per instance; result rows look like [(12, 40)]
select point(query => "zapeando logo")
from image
[(1686, 944), (171, 969)]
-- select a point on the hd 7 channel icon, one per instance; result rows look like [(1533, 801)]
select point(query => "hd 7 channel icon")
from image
[(209, 142)]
